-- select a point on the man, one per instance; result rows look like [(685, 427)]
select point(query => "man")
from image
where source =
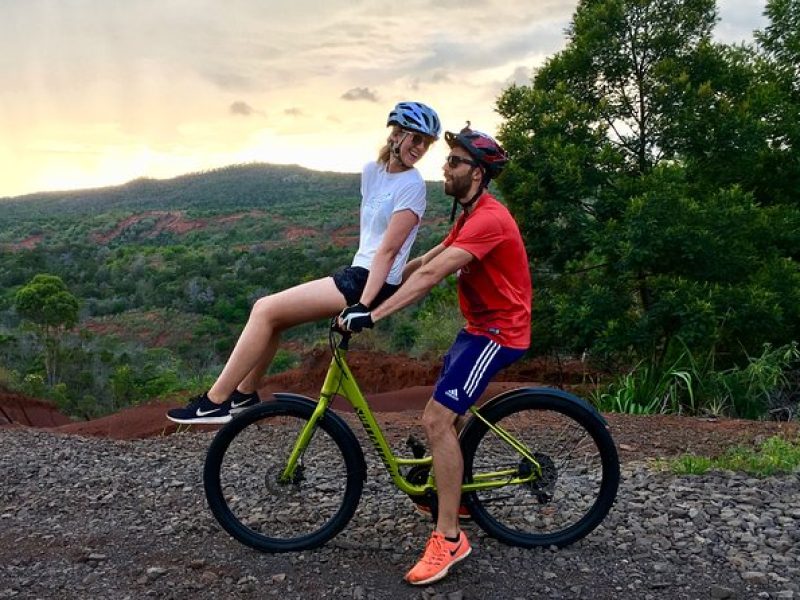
[(485, 249)]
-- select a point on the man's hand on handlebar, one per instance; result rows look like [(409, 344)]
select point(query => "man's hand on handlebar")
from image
[(355, 318)]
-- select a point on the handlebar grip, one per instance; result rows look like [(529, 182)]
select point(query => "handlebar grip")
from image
[(344, 343)]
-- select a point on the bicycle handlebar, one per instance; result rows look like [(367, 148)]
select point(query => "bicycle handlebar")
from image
[(344, 343)]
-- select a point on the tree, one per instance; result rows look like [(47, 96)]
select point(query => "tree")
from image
[(780, 46), (47, 303), (641, 175), (781, 38)]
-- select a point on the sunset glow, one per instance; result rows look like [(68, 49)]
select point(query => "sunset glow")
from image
[(98, 93)]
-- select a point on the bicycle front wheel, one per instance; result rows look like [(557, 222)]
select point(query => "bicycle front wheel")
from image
[(242, 478), (576, 469)]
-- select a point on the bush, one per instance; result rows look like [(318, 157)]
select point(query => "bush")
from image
[(438, 321), (647, 390), (748, 391), (283, 361), (685, 385)]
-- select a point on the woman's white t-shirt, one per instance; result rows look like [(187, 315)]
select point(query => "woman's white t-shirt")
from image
[(382, 195)]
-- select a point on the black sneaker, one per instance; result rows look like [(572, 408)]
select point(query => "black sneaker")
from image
[(240, 401), (201, 410)]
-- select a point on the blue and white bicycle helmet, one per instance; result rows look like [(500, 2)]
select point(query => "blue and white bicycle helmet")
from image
[(416, 116)]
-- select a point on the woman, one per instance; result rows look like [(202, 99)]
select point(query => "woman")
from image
[(392, 205)]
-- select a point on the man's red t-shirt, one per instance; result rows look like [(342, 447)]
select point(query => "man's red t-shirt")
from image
[(494, 290)]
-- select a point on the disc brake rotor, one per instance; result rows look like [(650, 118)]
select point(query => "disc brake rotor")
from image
[(544, 485)]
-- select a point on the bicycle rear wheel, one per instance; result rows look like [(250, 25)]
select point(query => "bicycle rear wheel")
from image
[(242, 486), (578, 459)]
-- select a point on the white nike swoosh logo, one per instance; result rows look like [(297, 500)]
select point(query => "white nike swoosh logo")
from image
[(203, 413), (235, 405)]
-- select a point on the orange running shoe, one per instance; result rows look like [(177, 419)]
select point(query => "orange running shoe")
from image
[(425, 510), (440, 554)]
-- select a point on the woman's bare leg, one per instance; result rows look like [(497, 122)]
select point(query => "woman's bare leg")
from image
[(270, 315), (252, 380)]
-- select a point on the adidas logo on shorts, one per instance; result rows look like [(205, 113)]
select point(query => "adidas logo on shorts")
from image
[(452, 394)]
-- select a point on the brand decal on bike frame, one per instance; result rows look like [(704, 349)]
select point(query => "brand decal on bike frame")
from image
[(391, 468)]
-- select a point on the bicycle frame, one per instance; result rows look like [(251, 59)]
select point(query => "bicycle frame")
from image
[(339, 380)]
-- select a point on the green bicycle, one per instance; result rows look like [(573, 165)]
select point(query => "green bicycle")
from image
[(540, 467)]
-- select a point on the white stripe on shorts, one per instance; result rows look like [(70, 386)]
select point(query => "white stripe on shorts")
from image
[(485, 358)]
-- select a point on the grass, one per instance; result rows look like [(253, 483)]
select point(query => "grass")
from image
[(776, 455), (765, 384), (648, 389)]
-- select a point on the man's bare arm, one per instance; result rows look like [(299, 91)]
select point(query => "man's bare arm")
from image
[(434, 266), (418, 262)]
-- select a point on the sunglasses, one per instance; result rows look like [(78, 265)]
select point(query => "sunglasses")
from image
[(417, 139), (453, 161)]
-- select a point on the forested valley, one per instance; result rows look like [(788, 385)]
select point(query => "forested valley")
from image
[(164, 274), (655, 175)]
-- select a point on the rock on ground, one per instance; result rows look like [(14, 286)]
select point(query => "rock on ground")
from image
[(99, 518)]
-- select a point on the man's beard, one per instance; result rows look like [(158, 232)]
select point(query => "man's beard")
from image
[(458, 186)]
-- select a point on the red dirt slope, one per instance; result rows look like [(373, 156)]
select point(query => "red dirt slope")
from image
[(391, 383), (24, 410), (149, 420)]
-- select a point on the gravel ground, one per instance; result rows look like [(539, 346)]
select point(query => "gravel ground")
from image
[(98, 518)]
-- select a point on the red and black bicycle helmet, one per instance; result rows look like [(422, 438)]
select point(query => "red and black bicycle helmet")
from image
[(482, 147)]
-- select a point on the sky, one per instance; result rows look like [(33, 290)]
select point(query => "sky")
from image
[(99, 92)]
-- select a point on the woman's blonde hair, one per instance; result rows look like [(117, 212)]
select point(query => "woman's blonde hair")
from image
[(385, 153)]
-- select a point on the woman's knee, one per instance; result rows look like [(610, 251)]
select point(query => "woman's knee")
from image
[(264, 310)]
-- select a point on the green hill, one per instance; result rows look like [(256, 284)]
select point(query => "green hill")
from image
[(279, 199), (238, 186)]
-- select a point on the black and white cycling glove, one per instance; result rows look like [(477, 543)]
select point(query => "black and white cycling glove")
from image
[(356, 318)]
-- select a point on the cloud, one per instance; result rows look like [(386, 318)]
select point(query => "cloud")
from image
[(449, 54), (227, 80), (441, 76), (521, 76), (360, 93), (74, 65), (456, 4), (241, 108), (738, 20)]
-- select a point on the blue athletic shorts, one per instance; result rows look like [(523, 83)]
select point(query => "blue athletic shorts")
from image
[(468, 368)]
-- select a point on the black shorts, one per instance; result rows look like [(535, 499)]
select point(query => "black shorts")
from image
[(350, 281)]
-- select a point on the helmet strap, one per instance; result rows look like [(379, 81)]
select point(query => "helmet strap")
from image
[(396, 150), (466, 205), (484, 184)]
